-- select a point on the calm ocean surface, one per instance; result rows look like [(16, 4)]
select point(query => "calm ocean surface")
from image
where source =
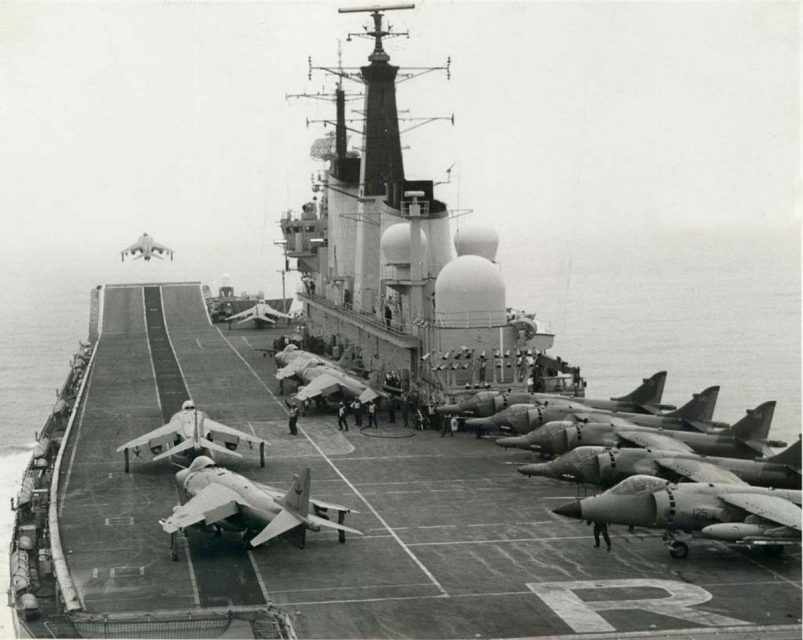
[(709, 307)]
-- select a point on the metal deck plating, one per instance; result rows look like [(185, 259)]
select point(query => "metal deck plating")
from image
[(457, 544)]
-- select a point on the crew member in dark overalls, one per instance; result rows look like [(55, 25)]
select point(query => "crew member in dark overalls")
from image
[(292, 419), (342, 423), (601, 528)]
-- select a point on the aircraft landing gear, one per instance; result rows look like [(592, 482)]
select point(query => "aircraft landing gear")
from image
[(341, 535), (173, 551), (678, 550)]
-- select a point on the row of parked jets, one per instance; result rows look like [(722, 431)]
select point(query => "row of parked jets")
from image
[(676, 470)]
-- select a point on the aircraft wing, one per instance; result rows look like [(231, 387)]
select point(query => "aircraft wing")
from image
[(322, 385), (248, 312), (772, 508), (269, 310), (262, 317), (650, 440), (160, 247), (699, 471), (212, 504), (162, 433), (134, 247), (230, 435)]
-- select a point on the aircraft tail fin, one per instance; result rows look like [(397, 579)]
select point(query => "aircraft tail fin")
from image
[(297, 498), (789, 456), (755, 426), (700, 407), (649, 393)]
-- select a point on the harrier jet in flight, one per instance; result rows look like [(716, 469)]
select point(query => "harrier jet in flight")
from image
[(147, 248)]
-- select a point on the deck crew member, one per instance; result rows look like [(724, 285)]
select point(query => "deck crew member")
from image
[(388, 316), (356, 409), (292, 419), (372, 415), (342, 423), (601, 528)]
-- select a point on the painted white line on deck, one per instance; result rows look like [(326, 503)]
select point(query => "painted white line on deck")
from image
[(507, 540), (357, 586), (262, 587), (198, 342), (351, 486), (797, 585), (193, 578), (244, 339)]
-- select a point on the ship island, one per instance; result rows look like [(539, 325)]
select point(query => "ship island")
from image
[(455, 544)]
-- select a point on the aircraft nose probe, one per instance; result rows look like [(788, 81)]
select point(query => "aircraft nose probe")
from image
[(570, 510)]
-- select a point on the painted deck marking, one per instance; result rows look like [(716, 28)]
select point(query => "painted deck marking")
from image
[(193, 577), (348, 482), (262, 586), (198, 342), (196, 594)]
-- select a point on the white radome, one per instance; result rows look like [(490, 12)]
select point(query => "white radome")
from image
[(470, 292), (477, 240), (395, 244)]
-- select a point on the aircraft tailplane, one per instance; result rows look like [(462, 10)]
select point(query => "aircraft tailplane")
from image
[(700, 407), (789, 456), (282, 523), (649, 393), (755, 426)]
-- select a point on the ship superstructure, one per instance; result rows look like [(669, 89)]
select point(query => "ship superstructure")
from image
[(456, 545), (384, 277)]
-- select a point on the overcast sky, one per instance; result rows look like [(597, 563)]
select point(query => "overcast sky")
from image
[(171, 118)]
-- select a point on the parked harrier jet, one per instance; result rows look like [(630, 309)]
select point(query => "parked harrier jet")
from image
[(222, 499), (733, 513), (260, 313), (147, 248), (523, 418), (644, 399), (321, 377), (191, 431), (606, 467), (747, 438)]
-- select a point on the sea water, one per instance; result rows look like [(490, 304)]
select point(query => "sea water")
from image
[(713, 307)]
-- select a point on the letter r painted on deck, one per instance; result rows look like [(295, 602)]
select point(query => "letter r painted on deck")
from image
[(583, 617)]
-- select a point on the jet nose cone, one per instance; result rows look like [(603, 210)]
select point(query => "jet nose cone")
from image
[(535, 469), (506, 442), (570, 510)]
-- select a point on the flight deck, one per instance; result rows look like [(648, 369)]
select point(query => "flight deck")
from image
[(456, 545)]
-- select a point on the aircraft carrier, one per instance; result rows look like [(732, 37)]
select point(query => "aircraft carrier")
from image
[(456, 545)]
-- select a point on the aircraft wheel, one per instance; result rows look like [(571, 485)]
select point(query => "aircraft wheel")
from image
[(679, 550)]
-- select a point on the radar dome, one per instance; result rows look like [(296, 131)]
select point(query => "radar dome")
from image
[(477, 240), (395, 244), (470, 292)]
